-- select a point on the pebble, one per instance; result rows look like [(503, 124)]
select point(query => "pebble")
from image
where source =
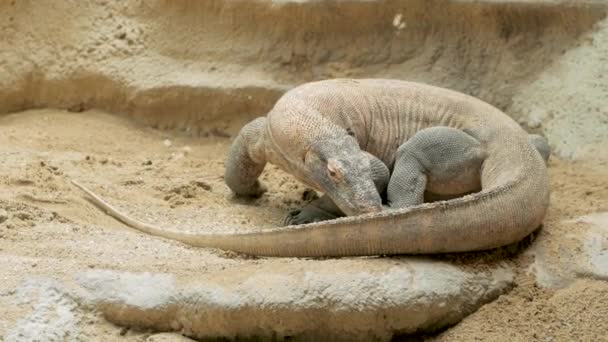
[(3, 215)]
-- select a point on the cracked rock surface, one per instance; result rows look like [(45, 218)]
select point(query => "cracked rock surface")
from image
[(339, 300)]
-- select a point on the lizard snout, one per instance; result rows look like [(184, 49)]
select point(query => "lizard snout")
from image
[(370, 209), (361, 208), (371, 205)]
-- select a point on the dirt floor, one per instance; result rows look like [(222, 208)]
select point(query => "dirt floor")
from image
[(47, 228)]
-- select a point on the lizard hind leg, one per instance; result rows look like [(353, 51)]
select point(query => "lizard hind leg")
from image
[(541, 144), (441, 160), (246, 160)]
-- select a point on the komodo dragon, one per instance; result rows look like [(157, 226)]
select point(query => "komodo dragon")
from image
[(343, 137)]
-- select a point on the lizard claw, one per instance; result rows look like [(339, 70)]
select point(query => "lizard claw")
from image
[(257, 190), (308, 214), (292, 217)]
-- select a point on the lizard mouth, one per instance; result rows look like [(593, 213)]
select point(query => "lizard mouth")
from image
[(369, 209), (351, 209)]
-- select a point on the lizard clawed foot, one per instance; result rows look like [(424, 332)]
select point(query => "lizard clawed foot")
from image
[(255, 191), (308, 214), (259, 191)]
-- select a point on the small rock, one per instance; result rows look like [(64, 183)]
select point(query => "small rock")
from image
[(203, 185), (536, 118), (23, 216), (77, 108), (3, 215), (133, 182), (398, 22), (534, 123), (23, 182), (582, 254), (216, 132), (167, 143), (176, 156), (397, 19)]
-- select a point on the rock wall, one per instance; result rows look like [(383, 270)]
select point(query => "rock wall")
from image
[(188, 65)]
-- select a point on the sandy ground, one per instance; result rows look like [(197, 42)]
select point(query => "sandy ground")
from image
[(49, 229)]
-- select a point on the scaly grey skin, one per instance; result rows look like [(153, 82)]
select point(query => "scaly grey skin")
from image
[(423, 171), (323, 208), (333, 134)]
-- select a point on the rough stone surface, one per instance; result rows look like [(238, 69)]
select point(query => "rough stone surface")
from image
[(582, 254), (596, 246), (321, 301), (341, 300), (564, 102), (202, 62), (52, 316)]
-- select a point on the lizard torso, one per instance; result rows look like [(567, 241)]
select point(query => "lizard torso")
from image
[(381, 113)]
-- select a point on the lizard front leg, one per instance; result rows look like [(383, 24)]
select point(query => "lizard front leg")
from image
[(320, 209), (324, 208), (246, 160)]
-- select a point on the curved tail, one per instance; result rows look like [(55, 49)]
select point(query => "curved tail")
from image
[(511, 206)]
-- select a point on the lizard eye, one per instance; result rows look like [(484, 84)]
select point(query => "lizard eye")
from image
[(334, 170), (305, 156)]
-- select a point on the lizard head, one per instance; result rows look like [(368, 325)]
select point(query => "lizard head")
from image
[(342, 171)]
